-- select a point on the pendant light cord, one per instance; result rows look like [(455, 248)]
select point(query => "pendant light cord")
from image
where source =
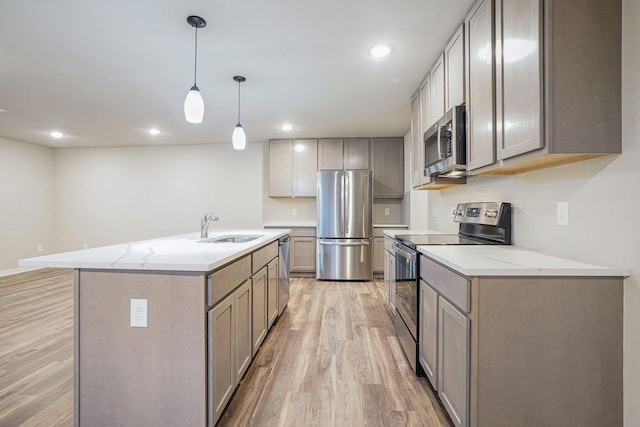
[(195, 60), (238, 102)]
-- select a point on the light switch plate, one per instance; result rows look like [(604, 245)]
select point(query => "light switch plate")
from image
[(562, 213)]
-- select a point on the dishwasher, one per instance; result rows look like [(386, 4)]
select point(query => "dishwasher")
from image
[(283, 273)]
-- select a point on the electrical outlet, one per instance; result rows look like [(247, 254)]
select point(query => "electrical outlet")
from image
[(435, 212), (562, 213), (138, 313), (40, 248), (386, 211), (294, 211), (85, 246)]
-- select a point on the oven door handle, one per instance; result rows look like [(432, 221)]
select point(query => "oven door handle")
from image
[(404, 253)]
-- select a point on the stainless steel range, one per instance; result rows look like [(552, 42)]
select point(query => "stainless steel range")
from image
[(482, 223)]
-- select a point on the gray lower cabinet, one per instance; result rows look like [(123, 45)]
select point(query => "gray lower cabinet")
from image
[(243, 303), (428, 332), (453, 361), (229, 347), (378, 255), (526, 351), (302, 251), (390, 277), (272, 292), (259, 308)]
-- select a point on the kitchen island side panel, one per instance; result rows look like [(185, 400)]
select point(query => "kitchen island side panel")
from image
[(127, 375), (549, 351)]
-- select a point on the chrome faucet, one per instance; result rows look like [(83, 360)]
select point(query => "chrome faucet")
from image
[(204, 224)]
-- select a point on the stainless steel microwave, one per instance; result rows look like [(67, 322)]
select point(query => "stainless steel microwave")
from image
[(445, 145)]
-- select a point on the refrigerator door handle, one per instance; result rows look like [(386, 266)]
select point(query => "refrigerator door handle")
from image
[(343, 195), (330, 243), (347, 193)]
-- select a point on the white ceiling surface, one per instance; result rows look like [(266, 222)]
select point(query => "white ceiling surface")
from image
[(103, 72)]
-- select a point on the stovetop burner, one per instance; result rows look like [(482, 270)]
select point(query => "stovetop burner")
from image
[(413, 240)]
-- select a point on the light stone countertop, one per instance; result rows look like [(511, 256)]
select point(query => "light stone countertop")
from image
[(289, 224), (174, 253), (481, 260), (393, 233)]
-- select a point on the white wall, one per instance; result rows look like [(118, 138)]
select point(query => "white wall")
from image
[(603, 196), (110, 195), (26, 201)]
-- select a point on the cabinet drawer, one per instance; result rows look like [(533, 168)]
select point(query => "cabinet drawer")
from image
[(262, 256), (450, 285), (226, 279), (303, 232)]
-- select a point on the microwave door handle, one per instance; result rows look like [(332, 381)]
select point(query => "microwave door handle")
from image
[(441, 153)]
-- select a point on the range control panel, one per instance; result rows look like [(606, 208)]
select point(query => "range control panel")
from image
[(488, 213)]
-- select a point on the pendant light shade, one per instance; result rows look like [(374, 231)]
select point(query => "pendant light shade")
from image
[(194, 106), (238, 138), (193, 103)]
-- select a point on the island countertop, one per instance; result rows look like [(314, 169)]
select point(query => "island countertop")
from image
[(184, 252)]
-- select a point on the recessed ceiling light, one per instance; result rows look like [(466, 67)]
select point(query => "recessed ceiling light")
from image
[(154, 131), (286, 127), (380, 51), (2, 110), (56, 134)]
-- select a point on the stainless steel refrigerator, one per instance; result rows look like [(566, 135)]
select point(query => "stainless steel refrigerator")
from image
[(344, 225)]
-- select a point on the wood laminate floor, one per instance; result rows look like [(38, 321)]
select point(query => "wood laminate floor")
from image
[(36, 349), (332, 359)]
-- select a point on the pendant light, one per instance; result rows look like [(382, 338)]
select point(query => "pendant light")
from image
[(239, 139), (193, 103)]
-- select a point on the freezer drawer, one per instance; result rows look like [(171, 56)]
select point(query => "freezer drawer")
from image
[(344, 259)]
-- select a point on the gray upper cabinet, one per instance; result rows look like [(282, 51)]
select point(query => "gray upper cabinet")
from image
[(437, 91), (480, 86), (339, 154), (454, 70), (292, 167), (519, 81), (330, 154), (556, 102), (388, 167), (357, 153), (416, 145)]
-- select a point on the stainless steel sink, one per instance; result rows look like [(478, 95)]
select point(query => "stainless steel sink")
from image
[(231, 239)]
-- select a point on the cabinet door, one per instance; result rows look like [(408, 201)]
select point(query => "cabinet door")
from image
[(378, 254), (437, 90), (480, 86), (272, 291), (280, 168), (259, 308), (519, 89), (242, 303), (388, 167), (305, 164), (357, 153), (454, 70), (303, 254), (428, 332), (222, 375), (417, 162), (453, 362), (330, 154)]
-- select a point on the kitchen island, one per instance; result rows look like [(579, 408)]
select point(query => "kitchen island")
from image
[(164, 329)]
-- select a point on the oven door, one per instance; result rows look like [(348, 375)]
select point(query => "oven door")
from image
[(406, 282)]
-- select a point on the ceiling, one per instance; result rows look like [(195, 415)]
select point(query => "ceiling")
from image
[(104, 72)]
